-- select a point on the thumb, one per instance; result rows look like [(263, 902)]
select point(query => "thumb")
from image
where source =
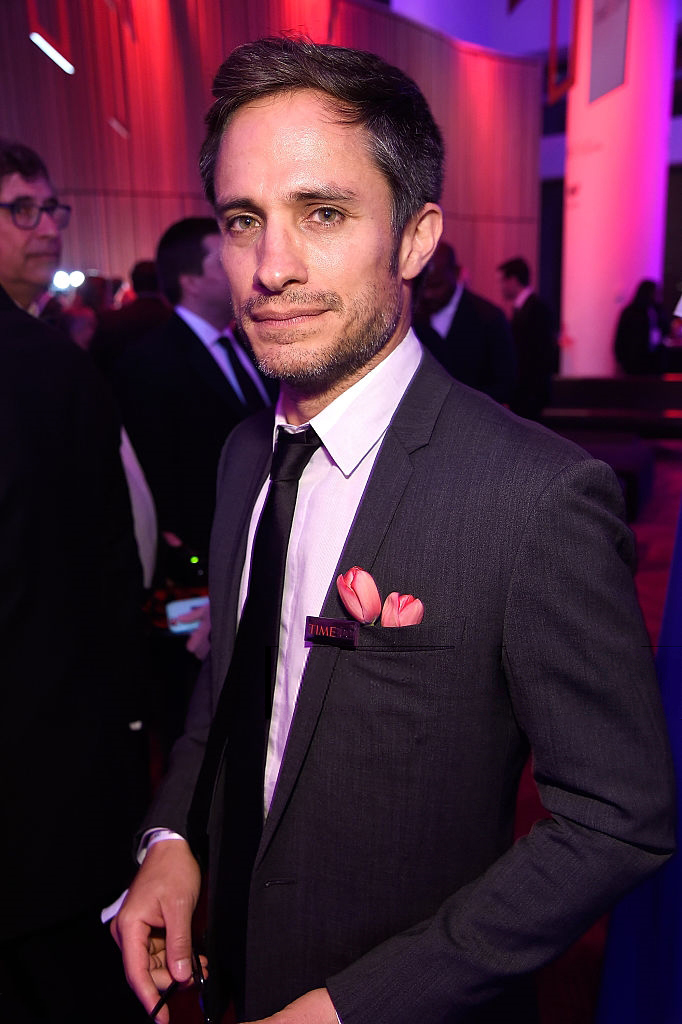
[(179, 944)]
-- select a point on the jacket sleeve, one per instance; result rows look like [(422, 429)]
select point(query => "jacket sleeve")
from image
[(583, 688)]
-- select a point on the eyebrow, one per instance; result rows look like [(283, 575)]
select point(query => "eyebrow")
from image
[(320, 193), (33, 199)]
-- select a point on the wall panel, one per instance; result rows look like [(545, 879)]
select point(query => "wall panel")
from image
[(121, 136)]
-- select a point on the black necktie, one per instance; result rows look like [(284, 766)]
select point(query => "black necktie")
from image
[(240, 725), (241, 722), (253, 400)]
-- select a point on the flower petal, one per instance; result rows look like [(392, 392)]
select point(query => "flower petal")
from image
[(402, 610), (359, 594)]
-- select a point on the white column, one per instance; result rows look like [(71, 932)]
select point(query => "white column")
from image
[(616, 184)]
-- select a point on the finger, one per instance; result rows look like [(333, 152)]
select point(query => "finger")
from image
[(178, 918), (160, 1011), (140, 957), (198, 643)]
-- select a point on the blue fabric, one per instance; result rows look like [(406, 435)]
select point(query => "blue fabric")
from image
[(642, 977)]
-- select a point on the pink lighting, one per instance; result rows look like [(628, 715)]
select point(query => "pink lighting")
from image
[(616, 175)]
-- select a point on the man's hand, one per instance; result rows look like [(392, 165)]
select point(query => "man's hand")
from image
[(153, 928), (199, 641), (314, 1007)]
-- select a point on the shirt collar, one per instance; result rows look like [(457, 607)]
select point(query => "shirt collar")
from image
[(206, 332), (521, 297), (442, 320), (351, 425)]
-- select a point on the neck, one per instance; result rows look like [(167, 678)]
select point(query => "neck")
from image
[(300, 406), (23, 295), (300, 403)]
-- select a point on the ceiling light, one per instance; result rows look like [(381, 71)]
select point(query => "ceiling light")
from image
[(53, 54)]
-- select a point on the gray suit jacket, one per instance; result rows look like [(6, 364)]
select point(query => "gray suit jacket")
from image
[(386, 868)]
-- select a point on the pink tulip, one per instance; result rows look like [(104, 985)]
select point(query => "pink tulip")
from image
[(359, 594), (402, 610)]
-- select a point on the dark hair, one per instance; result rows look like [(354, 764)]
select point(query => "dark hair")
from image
[(646, 293), (144, 277), (15, 158), (517, 268), (181, 251), (363, 89)]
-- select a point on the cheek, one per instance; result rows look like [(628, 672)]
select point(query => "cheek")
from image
[(239, 270), (351, 265)]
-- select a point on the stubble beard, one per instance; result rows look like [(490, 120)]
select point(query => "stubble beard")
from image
[(372, 324)]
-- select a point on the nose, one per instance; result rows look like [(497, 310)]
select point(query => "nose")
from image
[(281, 259), (46, 226)]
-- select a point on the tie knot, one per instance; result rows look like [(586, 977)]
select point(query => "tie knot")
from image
[(292, 453)]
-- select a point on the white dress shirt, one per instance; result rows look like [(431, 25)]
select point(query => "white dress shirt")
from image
[(520, 299), (442, 320), (351, 429)]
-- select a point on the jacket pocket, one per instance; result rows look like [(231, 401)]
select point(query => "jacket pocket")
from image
[(424, 637)]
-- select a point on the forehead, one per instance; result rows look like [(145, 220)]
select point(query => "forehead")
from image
[(290, 141), (15, 186)]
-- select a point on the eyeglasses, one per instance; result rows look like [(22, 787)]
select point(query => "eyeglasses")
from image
[(26, 213), (199, 982)]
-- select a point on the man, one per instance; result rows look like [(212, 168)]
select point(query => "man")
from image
[(385, 887), (70, 593), (535, 337), (468, 335), (642, 326), (179, 389)]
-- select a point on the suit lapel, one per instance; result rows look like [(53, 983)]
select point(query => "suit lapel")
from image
[(410, 430), (243, 470), (204, 365)]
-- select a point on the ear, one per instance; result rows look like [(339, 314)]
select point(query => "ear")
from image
[(188, 283), (419, 240)]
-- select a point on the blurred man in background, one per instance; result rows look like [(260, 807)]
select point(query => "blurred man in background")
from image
[(72, 748)]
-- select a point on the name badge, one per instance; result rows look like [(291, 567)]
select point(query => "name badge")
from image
[(332, 632)]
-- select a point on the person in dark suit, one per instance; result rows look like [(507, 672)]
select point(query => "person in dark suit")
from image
[(72, 754), (535, 336), (370, 871), (468, 335), (641, 328), (178, 389)]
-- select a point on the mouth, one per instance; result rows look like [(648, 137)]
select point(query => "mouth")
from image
[(286, 314), (277, 319)]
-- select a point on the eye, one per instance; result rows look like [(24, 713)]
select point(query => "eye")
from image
[(25, 207), (241, 223), (327, 215)]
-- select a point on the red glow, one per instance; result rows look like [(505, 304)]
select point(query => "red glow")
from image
[(61, 41)]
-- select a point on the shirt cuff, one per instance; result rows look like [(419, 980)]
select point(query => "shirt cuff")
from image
[(153, 835)]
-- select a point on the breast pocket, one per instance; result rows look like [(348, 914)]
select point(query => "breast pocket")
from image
[(393, 692), (424, 637)]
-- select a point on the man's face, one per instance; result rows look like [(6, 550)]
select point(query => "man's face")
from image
[(509, 287), (212, 285), (28, 259), (440, 281), (306, 221)]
